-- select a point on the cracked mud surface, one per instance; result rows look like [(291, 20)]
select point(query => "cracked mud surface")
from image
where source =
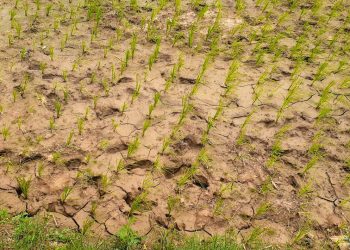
[(241, 182)]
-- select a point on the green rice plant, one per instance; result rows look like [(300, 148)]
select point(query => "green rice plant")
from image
[(240, 5), (14, 95), (305, 190), (191, 34), (24, 186), (188, 175), (94, 101), (153, 57), (80, 124), (19, 122), (157, 165), (5, 131), (65, 75), (106, 86), (66, 192), (165, 144), (301, 233), (325, 94), (103, 144), (25, 8), (42, 67), (48, 9), (69, 138), (262, 209), (10, 39), (186, 108), (146, 125), (58, 108), (38, 4), (87, 224), (133, 44), (136, 92), (52, 124), (84, 48), (173, 202), (115, 124), (105, 182), (114, 74), (124, 107), (120, 166), (290, 97), (321, 72), (23, 54), (40, 169), (57, 158), (276, 150), (242, 133), (133, 146), (204, 158)]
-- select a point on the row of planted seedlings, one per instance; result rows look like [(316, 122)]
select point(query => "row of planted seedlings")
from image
[(141, 200)]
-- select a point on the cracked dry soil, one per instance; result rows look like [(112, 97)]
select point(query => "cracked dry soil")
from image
[(269, 179)]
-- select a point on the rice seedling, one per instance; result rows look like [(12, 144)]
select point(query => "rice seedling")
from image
[(325, 94), (24, 186), (105, 182), (133, 44), (65, 193), (276, 150), (153, 57), (321, 72), (5, 131), (136, 92), (42, 67), (40, 169), (48, 9), (147, 123), (242, 133), (58, 108), (52, 124), (69, 138), (103, 144), (133, 146), (87, 224)]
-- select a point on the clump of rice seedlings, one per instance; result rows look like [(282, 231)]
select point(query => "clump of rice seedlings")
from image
[(51, 52), (191, 34), (301, 233), (137, 90), (5, 131), (124, 107), (103, 144), (42, 67), (84, 48), (52, 124), (315, 151), (24, 186), (40, 169), (290, 97), (204, 158), (165, 144), (153, 57), (173, 202), (186, 109), (133, 146), (80, 125), (58, 108), (325, 94), (188, 175), (277, 150), (240, 6), (146, 125), (140, 202), (14, 95), (262, 209), (105, 182), (120, 166), (66, 192), (115, 124), (321, 72), (87, 224), (242, 133), (133, 44), (125, 62), (57, 158), (69, 138), (65, 75), (173, 74), (305, 190), (94, 101)]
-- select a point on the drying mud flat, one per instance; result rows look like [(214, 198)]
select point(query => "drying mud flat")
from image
[(202, 118)]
